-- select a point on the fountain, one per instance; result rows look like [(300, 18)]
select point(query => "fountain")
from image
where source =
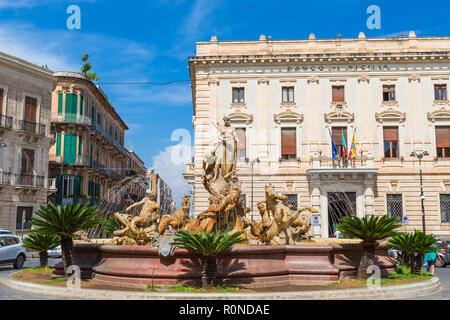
[(284, 254)]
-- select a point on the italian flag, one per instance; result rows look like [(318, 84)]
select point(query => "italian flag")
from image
[(344, 145), (352, 152)]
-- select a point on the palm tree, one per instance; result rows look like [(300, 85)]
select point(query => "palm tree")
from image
[(403, 242), (41, 242), (422, 244), (64, 221), (370, 230), (209, 246)]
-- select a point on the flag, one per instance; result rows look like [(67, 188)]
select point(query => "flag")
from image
[(333, 147), (344, 145), (352, 152)]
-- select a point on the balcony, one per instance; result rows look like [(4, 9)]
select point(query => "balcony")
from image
[(5, 178), (321, 162), (6, 122), (80, 160), (71, 118), (32, 127), (30, 180)]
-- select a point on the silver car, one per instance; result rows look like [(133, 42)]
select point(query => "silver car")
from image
[(12, 251)]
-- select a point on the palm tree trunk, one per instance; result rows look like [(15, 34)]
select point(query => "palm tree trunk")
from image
[(43, 258), (209, 272), (417, 264), (367, 259), (67, 252)]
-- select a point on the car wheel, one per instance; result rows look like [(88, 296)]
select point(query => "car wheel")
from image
[(19, 262), (440, 263)]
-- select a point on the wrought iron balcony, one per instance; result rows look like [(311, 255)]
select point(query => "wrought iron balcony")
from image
[(26, 179), (5, 178), (6, 122), (32, 127)]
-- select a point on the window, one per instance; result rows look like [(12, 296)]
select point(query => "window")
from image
[(27, 164), (288, 94), (445, 207), (337, 133), (23, 218), (241, 147), (443, 142), (440, 92), (30, 109), (394, 205), (238, 95), (388, 93), (338, 93), (390, 135), (291, 200), (288, 143)]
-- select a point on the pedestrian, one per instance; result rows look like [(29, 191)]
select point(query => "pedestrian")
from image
[(430, 259)]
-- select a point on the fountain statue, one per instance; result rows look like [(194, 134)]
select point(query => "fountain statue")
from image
[(179, 219), (137, 229)]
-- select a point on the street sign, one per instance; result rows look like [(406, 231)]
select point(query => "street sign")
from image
[(316, 219), (405, 220)]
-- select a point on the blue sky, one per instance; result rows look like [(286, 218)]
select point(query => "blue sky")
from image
[(150, 41)]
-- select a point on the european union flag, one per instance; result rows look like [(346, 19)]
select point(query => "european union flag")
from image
[(333, 147)]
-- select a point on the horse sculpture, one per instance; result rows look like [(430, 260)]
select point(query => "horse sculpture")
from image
[(179, 219)]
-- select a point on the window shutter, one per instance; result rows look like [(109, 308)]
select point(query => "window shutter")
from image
[(80, 144), (288, 141), (60, 102), (390, 133), (442, 137), (338, 93), (336, 132), (241, 147), (58, 144), (81, 104), (30, 109)]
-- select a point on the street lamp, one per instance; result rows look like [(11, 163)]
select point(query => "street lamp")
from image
[(420, 155), (252, 162)]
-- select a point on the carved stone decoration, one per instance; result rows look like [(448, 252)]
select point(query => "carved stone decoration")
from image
[(339, 115), (288, 116), (390, 115), (363, 78), (312, 79), (440, 114), (240, 117), (414, 77)]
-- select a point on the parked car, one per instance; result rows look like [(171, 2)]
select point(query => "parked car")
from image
[(444, 255), (56, 252), (12, 251), (2, 231)]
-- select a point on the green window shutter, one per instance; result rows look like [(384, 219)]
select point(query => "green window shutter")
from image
[(78, 182), (58, 144), (68, 102), (81, 104), (70, 148), (60, 103), (80, 144)]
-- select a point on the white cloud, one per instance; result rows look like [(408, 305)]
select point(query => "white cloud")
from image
[(171, 173)]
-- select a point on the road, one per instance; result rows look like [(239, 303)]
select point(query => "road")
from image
[(7, 293)]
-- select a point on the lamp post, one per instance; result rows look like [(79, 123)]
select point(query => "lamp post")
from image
[(252, 162), (419, 156)]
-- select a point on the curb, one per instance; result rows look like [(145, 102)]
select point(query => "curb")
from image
[(406, 291)]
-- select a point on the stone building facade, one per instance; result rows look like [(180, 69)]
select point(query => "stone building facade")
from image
[(163, 192), (88, 156), (135, 166), (25, 100), (287, 98)]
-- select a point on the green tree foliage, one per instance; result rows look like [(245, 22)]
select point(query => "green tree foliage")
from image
[(370, 230), (208, 246), (86, 67), (42, 242)]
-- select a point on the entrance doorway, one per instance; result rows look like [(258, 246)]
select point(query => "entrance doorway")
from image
[(340, 204)]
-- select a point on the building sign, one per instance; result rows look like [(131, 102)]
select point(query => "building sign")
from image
[(405, 220), (350, 67)]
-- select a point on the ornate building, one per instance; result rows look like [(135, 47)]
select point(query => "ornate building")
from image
[(136, 167), (287, 98), (25, 99), (88, 157), (163, 192)]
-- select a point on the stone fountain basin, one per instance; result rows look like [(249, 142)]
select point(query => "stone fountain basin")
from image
[(249, 266)]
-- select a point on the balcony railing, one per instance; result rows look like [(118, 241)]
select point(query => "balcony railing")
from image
[(5, 178), (97, 127), (32, 180), (80, 160), (71, 118), (6, 122), (32, 127), (341, 163)]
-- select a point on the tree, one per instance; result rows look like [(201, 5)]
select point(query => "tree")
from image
[(370, 230), (86, 67), (414, 246), (42, 242), (208, 246), (64, 221)]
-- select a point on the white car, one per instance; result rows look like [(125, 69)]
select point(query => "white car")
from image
[(12, 251), (56, 252)]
